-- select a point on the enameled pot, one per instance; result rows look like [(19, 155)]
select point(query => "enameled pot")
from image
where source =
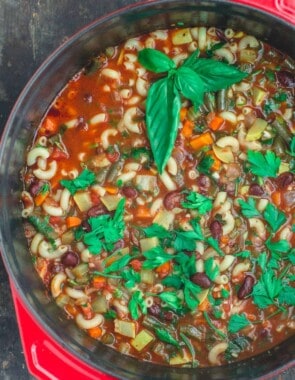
[(25, 117)]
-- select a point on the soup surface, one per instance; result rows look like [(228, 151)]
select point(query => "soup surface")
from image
[(159, 197)]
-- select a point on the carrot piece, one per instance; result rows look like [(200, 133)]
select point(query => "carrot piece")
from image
[(201, 141), (224, 239), (217, 163), (143, 212), (183, 113), (73, 221), (276, 198), (136, 265), (215, 122), (99, 282), (164, 269), (87, 310), (187, 129), (111, 189), (40, 198), (204, 305), (49, 126), (95, 332), (71, 310)]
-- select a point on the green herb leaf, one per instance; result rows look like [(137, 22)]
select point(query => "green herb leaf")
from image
[(237, 322), (155, 257), (266, 289), (236, 346), (173, 281), (156, 230), (205, 165), (198, 202), (185, 240), (274, 217), (280, 246), (85, 178), (211, 268), (248, 208), (214, 244), (243, 254), (287, 295), (118, 264), (136, 305), (131, 277), (110, 314), (197, 228), (262, 260), (190, 85), (263, 165), (171, 299), (156, 61), (190, 292), (162, 119), (292, 147), (43, 226), (216, 75), (166, 337)]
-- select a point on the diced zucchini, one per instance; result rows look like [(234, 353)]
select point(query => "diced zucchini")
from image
[(182, 36), (256, 130), (180, 359), (80, 270), (99, 305), (148, 243), (68, 237), (164, 218), (147, 276), (111, 201), (202, 295), (125, 328), (259, 96), (244, 190), (83, 200), (146, 182), (142, 339), (284, 167), (224, 154)]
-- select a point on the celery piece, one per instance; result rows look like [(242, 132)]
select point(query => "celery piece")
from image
[(142, 339), (125, 328), (164, 218), (147, 276), (83, 200), (256, 130), (148, 243), (111, 201)]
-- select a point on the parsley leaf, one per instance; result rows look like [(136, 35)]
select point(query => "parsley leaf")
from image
[(156, 230), (237, 322), (205, 165), (43, 226), (171, 299), (118, 264), (166, 337), (262, 260), (280, 246), (236, 346), (191, 292), (243, 254), (248, 208), (155, 257), (85, 178), (211, 268), (214, 244), (266, 289), (137, 304), (287, 295), (263, 165), (196, 201), (131, 277), (274, 217)]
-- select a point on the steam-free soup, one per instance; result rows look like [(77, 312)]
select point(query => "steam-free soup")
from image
[(159, 197)]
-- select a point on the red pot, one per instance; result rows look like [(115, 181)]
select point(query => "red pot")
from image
[(82, 355)]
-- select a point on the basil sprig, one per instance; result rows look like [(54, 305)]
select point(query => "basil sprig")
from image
[(191, 80)]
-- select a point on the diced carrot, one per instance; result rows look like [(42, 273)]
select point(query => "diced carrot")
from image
[(201, 141), (40, 198), (87, 310), (251, 317), (224, 239), (187, 129), (95, 332), (73, 221), (71, 310), (183, 113), (215, 122), (204, 305), (49, 126), (217, 163), (143, 212), (276, 198), (99, 282), (111, 189), (136, 265), (164, 269), (57, 154)]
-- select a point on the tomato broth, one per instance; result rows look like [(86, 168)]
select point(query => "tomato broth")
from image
[(159, 197)]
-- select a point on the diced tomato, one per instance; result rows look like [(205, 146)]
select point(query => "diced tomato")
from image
[(113, 156), (57, 154), (136, 265)]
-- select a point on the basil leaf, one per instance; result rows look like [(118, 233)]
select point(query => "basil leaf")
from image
[(191, 59), (190, 85), (162, 119), (155, 60), (216, 75), (164, 336)]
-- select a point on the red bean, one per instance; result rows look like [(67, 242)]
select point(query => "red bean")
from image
[(284, 180), (56, 268), (129, 192), (201, 279), (96, 210), (285, 78), (35, 187), (246, 287), (173, 199), (70, 259), (86, 226), (255, 189), (154, 310), (216, 229)]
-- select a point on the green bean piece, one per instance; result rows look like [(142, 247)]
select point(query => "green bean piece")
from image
[(281, 127), (114, 170), (222, 100), (279, 146), (209, 101), (101, 176), (191, 332)]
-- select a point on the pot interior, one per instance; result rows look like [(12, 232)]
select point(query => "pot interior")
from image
[(25, 117)]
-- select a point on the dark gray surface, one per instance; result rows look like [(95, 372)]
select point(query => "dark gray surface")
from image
[(29, 31)]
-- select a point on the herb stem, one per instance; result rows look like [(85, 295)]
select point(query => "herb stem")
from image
[(96, 273), (210, 323), (285, 271)]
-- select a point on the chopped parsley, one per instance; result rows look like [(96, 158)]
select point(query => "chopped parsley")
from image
[(263, 165), (237, 322), (274, 217), (85, 178), (196, 201), (248, 208)]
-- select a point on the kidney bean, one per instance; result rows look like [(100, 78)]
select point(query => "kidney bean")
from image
[(284, 180), (216, 229), (285, 78), (56, 268), (129, 192), (88, 98), (35, 187), (201, 279), (154, 310), (54, 112), (82, 124), (220, 34), (70, 259), (255, 189), (96, 210), (173, 199), (168, 316), (246, 287), (85, 226)]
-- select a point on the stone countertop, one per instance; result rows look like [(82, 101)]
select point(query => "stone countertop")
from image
[(29, 31)]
